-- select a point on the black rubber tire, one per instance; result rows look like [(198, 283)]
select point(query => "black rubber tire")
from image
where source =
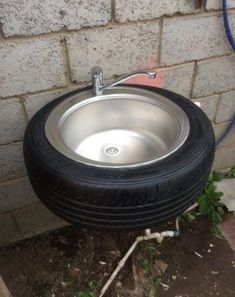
[(120, 199)]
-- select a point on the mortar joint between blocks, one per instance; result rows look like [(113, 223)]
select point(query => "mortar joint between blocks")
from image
[(22, 102), (213, 94), (18, 229), (113, 11), (160, 40), (2, 37), (193, 79), (217, 108), (65, 54)]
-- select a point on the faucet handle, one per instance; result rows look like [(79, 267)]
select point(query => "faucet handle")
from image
[(150, 73), (97, 78)]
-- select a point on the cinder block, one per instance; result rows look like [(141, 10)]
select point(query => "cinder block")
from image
[(8, 229), (36, 101), (209, 105), (12, 120), (16, 194), (193, 38), (38, 231), (216, 4), (23, 17), (214, 75), (30, 66), (36, 218), (11, 161), (219, 129), (117, 50), (133, 10), (224, 157), (177, 79), (226, 107)]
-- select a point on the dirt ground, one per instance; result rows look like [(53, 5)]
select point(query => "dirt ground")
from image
[(76, 263)]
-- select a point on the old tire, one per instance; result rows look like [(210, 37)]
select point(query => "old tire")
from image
[(125, 198)]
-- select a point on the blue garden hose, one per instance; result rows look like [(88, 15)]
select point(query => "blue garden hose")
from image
[(227, 25), (226, 131), (232, 44)]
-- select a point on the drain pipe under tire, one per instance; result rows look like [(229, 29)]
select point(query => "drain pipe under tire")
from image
[(148, 236)]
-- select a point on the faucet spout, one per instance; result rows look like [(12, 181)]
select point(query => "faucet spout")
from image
[(152, 74), (97, 79)]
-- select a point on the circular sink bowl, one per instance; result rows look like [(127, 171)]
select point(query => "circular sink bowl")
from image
[(123, 127)]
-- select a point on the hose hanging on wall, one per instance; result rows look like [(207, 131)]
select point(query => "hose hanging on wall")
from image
[(232, 44), (227, 25)]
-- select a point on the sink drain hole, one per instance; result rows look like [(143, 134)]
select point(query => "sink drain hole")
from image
[(112, 151)]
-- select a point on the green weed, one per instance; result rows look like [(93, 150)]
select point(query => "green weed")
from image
[(209, 202), (231, 173), (189, 216), (89, 292), (216, 231), (149, 249), (144, 265), (156, 281)]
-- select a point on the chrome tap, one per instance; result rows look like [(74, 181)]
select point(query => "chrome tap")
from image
[(98, 84)]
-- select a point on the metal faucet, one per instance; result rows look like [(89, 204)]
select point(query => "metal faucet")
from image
[(98, 84)]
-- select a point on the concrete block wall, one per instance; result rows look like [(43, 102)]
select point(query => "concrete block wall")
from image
[(48, 47)]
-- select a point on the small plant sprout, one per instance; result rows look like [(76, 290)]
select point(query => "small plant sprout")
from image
[(214, 177), (89, 292), (156, 281), (149, 249), (189, 216), (216, 231), (231, 173), (149, 253), (144, 265)]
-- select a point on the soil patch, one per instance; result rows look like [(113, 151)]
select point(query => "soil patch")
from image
[(71, 262)]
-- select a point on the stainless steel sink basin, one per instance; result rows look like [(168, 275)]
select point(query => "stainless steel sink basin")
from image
[(122, 127)]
